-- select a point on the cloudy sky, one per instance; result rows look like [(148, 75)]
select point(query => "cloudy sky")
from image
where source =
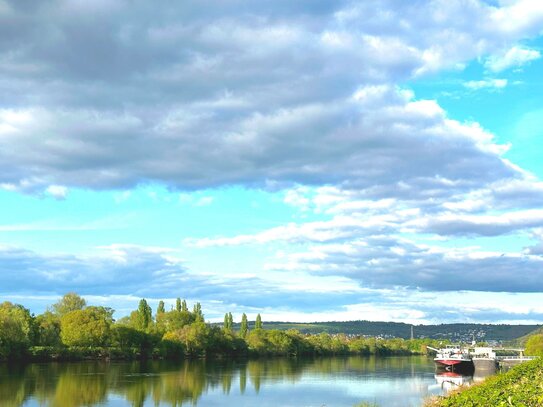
[(308, 160)]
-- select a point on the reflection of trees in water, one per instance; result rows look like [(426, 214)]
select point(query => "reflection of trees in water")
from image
[(171, 383), (13, 387), (79, 385)]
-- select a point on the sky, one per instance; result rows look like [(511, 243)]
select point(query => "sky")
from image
[(308, 160)]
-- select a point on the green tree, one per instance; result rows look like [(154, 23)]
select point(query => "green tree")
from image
[(228, 322), (197, 311), (16, 330), (244, 328), (173, 320), (160, 309), (193, 337), (87, 327), (142, 319), (184, 306), (48, 329), (178, 304), (225, 322), (258, 322), (69, 302)]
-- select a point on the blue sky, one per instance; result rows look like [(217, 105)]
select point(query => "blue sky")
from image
[(309, 161)]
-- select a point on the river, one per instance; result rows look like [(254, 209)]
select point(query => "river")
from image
[(333, 381)]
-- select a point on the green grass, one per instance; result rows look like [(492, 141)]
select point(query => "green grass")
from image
[(522, 386)]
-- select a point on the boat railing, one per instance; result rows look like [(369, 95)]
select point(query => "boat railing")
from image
[(516, 357)]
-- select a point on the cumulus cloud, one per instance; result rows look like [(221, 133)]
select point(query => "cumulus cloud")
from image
[(120, 269), (515, 57), (388, 261), (111, 96), (280, 94)]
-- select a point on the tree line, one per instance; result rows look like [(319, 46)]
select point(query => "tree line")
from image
[(71, 329)]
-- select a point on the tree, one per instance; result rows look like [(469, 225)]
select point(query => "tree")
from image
[(142, 319), (16, 330), (48, 329), (184, 306), (178, 304), (87, 327), (69, 302), (193, 337), (258, 322), (244, 326), (228, 322), (225, 323), (173, 320), (160, 309), (197, 311)]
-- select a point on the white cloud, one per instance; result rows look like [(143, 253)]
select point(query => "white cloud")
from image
[(273, 103), (204, 201), (486, 83), (57, 191), (515, 57)]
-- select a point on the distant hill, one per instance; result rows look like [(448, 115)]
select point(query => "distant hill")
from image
[(521, 341), (454, 332)]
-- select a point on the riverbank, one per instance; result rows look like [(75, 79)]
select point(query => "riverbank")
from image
[(520, 386), (173, 351)]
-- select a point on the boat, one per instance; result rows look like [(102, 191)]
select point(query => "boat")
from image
[(453, 359), (484, 359)]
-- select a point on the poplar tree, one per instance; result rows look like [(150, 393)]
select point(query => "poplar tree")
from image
[(184, 307), (197, 311), (178, 304), (145, 314), (226, 325), (244, 327), (160, 309), (258, 322), (230, 321)]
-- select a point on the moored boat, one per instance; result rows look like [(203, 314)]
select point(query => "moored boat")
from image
[(453, 359), (484, 359)]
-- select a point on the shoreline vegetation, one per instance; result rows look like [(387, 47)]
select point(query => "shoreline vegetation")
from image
[(522, 385), (71, 330)]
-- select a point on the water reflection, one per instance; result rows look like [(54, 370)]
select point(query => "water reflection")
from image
[(402, 381), (448, 381)]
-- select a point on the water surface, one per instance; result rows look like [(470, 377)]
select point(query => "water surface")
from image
[(334, 381)]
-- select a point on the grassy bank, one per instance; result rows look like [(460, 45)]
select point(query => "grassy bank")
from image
[(521, 386)]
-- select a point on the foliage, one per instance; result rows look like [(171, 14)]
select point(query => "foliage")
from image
[(160, 309), (193, 338), (244, 327), (178, 304), (87, 327), (16, 330), (69, 302), (90, 332), (173, 320), (534, 345), (521, 386), (228, 321), (48, 329), (258, 322)]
